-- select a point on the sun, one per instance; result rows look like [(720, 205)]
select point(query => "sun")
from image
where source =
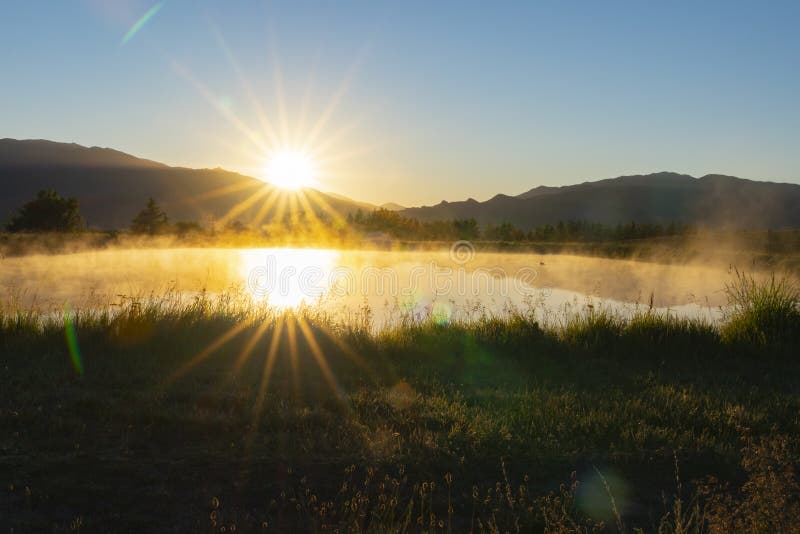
[(290, 169)]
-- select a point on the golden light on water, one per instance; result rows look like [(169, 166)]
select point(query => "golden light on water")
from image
[(287, 278), (296, 156), (290, 169), (284, 279)]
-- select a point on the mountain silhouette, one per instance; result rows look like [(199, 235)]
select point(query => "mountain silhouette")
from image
[(112, 187), (392, 206), (43, 153), (712, 200)]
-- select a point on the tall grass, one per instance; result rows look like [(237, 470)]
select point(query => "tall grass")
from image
[(758, 315), (134, 437), (368, 501), (761, 313)]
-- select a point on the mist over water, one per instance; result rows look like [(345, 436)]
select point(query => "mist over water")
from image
[(391, 284)]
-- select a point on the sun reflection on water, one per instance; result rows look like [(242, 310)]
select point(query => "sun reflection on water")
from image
[(287, 277)]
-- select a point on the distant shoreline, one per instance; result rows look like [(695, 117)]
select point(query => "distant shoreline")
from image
[(751, 250)]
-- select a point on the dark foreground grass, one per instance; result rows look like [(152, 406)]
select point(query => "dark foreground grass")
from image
[(215, 417)]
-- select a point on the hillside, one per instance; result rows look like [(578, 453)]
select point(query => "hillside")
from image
[(43, 153), (112, 186), (713, 200)]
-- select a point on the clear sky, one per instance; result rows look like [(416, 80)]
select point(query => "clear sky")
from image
[(415, 102)]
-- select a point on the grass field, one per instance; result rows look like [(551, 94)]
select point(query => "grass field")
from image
[(219, 416)]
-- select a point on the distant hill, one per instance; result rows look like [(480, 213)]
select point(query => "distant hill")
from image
[(391, 206), (362, 205), (112, 186), (712, 200), (42, 153)]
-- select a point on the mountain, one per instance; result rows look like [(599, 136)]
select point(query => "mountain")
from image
[(391, 206), (112, 186), (712, 200), (42, 153), (363, 205)]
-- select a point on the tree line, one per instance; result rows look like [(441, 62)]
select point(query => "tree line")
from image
[(50, 212), (401, 227)]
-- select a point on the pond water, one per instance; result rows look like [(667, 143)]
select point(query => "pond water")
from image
[(447, 285)]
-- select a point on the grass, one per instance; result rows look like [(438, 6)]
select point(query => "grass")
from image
[(762, 314), (500, 424)]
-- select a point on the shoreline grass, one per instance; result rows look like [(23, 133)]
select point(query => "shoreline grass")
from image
[(170, 412)]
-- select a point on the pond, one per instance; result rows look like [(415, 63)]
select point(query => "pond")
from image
[(459, 284)]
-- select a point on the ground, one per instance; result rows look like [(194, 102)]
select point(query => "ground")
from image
[(158, 421)]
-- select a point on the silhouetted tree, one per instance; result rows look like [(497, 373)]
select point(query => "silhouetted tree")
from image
[(187, 227), (48, 212), (504, 232), (237, 227), (399, 226), (467, 228), (151, 220)]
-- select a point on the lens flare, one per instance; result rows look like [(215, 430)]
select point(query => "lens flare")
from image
[(141, 22)]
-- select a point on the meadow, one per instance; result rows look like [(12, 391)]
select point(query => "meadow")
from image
[(221, 415)]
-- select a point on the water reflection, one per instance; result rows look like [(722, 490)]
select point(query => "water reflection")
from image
[(286, 277), (401, 286), (394, 285)]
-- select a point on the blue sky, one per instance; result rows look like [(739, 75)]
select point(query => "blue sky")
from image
[(416, 102)]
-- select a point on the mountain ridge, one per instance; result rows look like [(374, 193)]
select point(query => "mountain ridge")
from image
[(112, 186), (713, 200), (28, 153)]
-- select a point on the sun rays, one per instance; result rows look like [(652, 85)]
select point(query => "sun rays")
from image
[(303, 349), (290, 152), (290, 169)]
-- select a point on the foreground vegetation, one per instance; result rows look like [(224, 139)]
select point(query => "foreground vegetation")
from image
[(217, 415)]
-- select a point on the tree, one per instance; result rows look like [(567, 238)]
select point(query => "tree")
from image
[(151, 220), (467, 228), (504, 232), (48, 212), (187, 227), (237, 227)]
